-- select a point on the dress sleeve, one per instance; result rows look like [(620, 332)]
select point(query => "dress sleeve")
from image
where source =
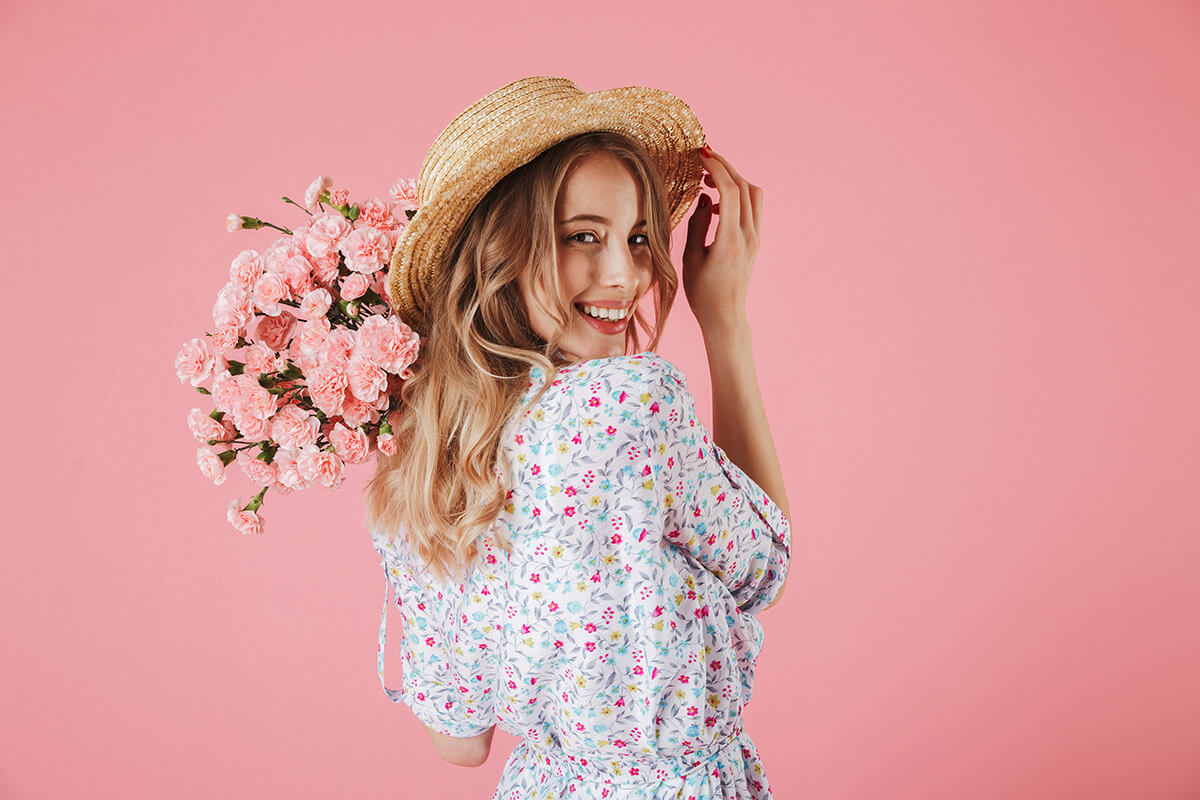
[(713, 510), (447, 675)]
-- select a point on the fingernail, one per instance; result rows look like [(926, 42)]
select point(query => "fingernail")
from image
[(707, 151)]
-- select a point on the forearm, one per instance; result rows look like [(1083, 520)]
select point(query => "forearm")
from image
[(740, 425)]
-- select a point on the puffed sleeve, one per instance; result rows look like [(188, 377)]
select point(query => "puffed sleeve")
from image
[(713, 510), (447, 676)]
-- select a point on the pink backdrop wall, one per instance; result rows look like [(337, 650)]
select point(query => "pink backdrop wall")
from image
[(975, 317)]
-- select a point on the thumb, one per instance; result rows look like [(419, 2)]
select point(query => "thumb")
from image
[(697, 230)]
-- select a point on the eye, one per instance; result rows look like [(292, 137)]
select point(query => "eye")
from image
[(644, 236), (582, 233)]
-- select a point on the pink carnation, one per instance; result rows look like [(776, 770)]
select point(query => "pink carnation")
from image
[(210, 464), (366, 249), (391, 343), (352, 445), (386, 444), (404, 193), (294, 427), (225, 339), (289, 475), (312, 194), (313, 333), (243, 521), (204, 427), (246, 268), (353, 286), (234, 307), (315, 304), (325, 268), (254, 429), (233, 222), (339, 197), (366, 379), (268, 291), (256, 470), (326, 233), (195, 362), (377, 213), (337, 348), (260, 358), (274, 331), (225, 391), (320, 465), (355, 412), (327, 388)]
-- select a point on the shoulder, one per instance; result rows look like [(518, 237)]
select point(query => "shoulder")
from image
[(645, 370)]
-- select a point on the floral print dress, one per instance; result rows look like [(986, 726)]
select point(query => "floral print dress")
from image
[(619, 638)]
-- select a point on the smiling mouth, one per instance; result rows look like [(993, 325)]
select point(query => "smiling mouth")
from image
[(606, 326)]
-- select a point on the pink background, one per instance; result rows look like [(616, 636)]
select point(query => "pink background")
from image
[(975, 319)]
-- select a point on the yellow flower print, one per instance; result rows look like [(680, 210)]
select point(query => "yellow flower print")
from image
[(581, 681), (649, 484), (536, 595), (714, 700), (539, 414), (668, 500), (562, 448), (556, 551), (595, 500), (644, 397)]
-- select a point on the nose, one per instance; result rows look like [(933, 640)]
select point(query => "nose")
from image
[(618, 268)]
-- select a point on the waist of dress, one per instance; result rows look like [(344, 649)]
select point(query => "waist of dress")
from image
[(636, 768)]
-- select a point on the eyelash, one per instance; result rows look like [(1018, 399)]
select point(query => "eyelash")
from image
[(589, 233)]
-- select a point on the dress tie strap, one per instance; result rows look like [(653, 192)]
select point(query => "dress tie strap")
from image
[(395, 695)]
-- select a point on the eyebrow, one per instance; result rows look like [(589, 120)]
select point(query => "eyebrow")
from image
[(595, 218)]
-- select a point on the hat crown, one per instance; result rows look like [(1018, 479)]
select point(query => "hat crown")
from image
[(483, 126)]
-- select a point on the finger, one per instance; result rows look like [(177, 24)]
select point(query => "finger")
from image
[(697, 229), (746, 206), (730, 196), (756, 199)]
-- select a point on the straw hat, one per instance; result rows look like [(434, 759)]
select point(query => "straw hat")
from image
[(510, 127)]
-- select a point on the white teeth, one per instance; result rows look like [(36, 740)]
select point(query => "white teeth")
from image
[(605, 313)]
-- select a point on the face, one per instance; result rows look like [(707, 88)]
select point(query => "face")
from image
[(604, 262)]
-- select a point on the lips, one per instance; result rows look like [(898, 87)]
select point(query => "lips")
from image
[(603, 325)]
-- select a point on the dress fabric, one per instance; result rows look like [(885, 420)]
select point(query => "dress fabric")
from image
[(618, 640)]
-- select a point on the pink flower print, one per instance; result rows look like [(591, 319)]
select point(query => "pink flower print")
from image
[(715, 665), (593, 401), (535, 577), (616, 538), (610, 430), (637, 670), (654, 407), (525, 628), (519, 439), (429, 641), (634, 771), (590, 646), (596, 577), (590, 627), (569, 511), (618, 742), (710, 721), (577, 438), (534, 469), (537, 512), (692, 711), (553, 606), (658, 611), (570, 491)]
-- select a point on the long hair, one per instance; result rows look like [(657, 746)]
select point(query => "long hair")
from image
[(447, 482)]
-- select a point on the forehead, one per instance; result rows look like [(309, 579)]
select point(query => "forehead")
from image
[(600, 183)]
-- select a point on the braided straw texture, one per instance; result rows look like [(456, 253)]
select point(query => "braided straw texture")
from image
[(510, 127)]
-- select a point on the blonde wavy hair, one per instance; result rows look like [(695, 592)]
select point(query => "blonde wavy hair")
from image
[(447, 482)]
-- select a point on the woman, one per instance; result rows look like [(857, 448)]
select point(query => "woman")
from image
[(574, 557)]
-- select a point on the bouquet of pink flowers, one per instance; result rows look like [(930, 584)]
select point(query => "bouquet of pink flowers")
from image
[(306, 358)]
